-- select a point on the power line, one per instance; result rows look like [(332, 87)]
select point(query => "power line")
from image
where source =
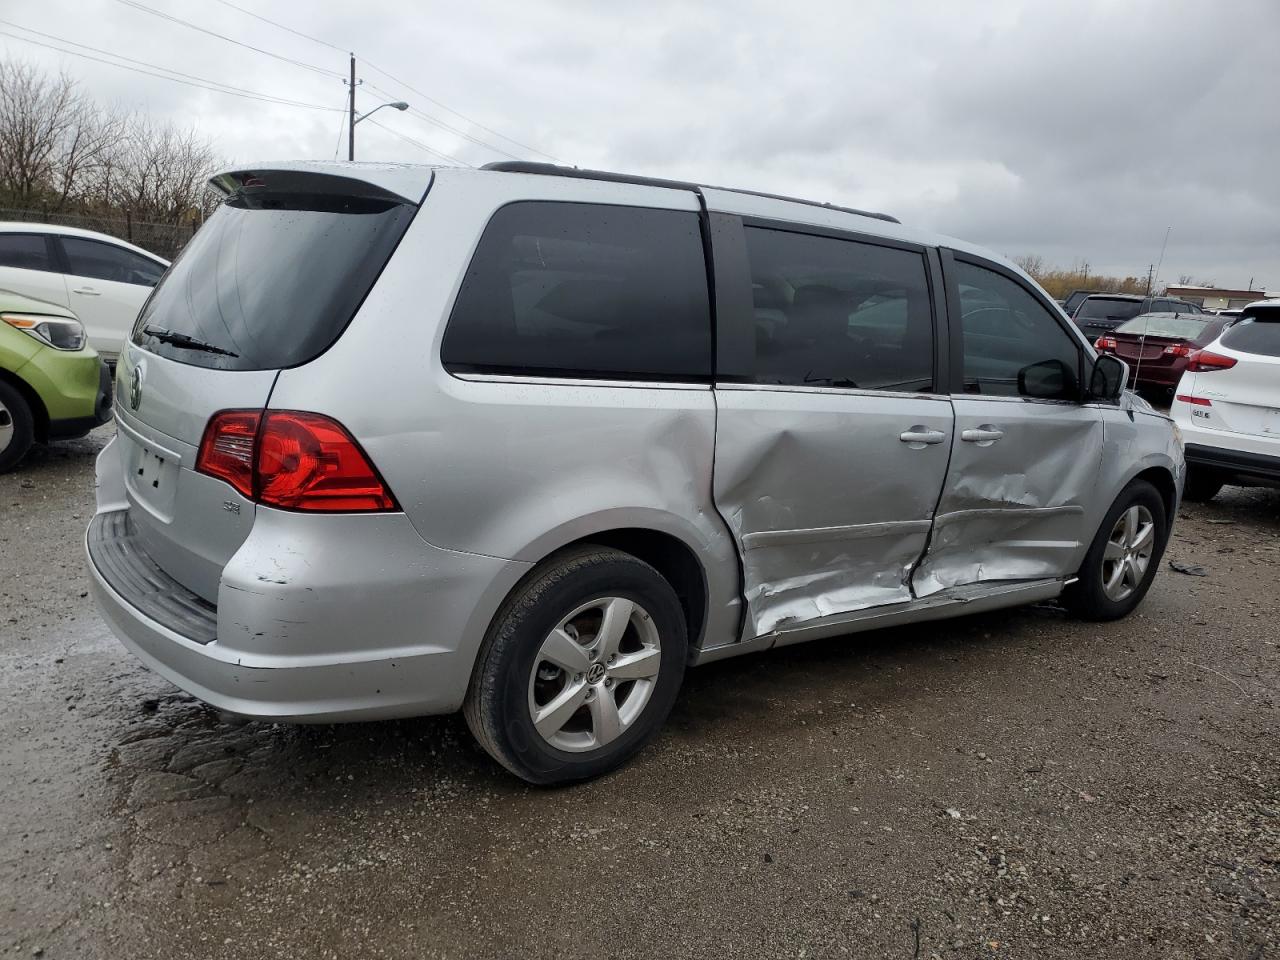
[(264, 98), (420, 144), (298, 33), (481, 126), (398, 82), (414, 111), (187, 23), (229, 88)]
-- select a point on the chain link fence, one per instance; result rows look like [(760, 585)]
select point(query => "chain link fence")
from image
[(162, 239)]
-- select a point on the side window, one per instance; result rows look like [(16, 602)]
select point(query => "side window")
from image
[(1013, 346), (584, 290), (839, 313), (102, 261), (25, 251)]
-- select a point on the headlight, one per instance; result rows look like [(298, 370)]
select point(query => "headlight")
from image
[(60, 333)]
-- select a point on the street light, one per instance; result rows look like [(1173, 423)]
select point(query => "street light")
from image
[(351, 134)]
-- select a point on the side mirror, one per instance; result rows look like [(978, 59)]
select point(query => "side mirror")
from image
[(1109, 376), (1047, 380)]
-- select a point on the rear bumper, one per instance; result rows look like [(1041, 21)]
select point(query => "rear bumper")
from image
[(1258, 467), (348, 618)]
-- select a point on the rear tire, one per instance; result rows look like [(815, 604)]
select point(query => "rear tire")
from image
[(1115, 575), (580, 667), (1201, 486), (17, 427)]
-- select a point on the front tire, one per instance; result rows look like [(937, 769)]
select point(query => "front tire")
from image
[(17, 427), (1123, 559), (580, 667)]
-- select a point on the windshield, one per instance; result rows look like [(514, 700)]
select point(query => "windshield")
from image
[(272, 279), (1255, 334), (1181, 328), (1102, 309)]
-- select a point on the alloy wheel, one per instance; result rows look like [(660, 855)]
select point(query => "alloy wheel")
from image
[(1128, 553), (594, 674), (6, 427)]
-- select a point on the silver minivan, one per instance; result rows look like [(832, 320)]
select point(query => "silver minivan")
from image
[(528, 441)]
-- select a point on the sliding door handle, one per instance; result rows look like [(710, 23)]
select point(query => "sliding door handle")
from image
[(918, 437), (984, 435)]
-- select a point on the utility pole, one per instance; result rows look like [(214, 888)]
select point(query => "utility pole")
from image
[(1151, 269), (351, 113)]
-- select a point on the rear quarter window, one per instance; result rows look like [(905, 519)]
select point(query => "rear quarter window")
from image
[(584, 290)]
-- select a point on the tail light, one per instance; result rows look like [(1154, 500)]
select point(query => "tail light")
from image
[(1105, 343), (293, 460), (1178, 350), (1194, 401), (1202, 361)]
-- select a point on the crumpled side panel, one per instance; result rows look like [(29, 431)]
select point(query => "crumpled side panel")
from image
[(829, 508), (1015, 509)]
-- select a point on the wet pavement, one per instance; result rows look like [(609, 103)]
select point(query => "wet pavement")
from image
[(1007, 785)]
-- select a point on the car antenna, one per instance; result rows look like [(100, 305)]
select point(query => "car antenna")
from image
[(1146, 324)]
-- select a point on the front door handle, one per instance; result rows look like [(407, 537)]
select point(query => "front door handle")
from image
[(983, 436), (918, 437), (87, 291)]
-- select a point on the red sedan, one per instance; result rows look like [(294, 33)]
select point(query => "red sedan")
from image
[(1157, 346)]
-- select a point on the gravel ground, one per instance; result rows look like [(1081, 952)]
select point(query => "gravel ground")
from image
[(1007, 785)]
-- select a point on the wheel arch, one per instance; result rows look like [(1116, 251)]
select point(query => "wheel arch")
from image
[(1162, 479), (39, 413)]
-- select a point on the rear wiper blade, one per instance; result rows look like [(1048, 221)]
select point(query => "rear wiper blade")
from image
[(186, 342)]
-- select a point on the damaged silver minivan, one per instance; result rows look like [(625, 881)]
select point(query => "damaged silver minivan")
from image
[(529, 441)]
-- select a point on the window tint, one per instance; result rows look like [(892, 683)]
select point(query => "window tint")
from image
[(1252, 335), (274, 276), (1102, 308), (839, 313), (26, 251), (102, 261), (1012, 344), (584, 290)]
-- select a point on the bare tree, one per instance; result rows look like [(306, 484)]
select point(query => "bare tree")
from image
[(1032, 263), (61, 153)]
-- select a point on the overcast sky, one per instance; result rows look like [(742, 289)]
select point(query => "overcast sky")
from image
[(1078, 131)]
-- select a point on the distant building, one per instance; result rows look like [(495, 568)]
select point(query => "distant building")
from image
[(1216, 298)]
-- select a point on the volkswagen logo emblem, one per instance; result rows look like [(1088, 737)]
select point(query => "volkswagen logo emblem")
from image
[(135, 388)]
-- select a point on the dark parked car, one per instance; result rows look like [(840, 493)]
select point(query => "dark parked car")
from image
[(1101, 313), (1075, 298), (1157, 345)]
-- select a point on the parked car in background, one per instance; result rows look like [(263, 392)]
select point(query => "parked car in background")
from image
[(1075, 298), (52, 384), (101, 279), (1157, 345), (1101, 313), (529, 440), (1227, 405)]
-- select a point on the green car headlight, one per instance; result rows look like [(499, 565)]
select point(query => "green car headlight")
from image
[(60, 333)]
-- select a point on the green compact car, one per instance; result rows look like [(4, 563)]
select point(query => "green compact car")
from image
[(53, 385)]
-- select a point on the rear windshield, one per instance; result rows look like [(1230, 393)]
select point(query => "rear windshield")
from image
[(272, 279), (1096, 308), (1252, 335), (1183, 328)]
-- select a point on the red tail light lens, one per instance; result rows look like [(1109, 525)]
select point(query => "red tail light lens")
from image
[(226, 449), (1105, 343), (1194, 401), (1178, 350), (1202, 361), (292, 460)]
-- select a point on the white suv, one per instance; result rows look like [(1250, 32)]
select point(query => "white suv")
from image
[(1227, 405), (104, 281)]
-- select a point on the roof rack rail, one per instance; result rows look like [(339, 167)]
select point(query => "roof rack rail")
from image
[(555, 170)]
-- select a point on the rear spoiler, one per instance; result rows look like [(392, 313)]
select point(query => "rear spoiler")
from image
[(395, 183)]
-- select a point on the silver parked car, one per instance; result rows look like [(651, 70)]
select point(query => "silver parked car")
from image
[(528, 441)]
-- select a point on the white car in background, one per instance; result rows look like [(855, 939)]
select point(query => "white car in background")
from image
[(101, 279), (1227, 406)]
